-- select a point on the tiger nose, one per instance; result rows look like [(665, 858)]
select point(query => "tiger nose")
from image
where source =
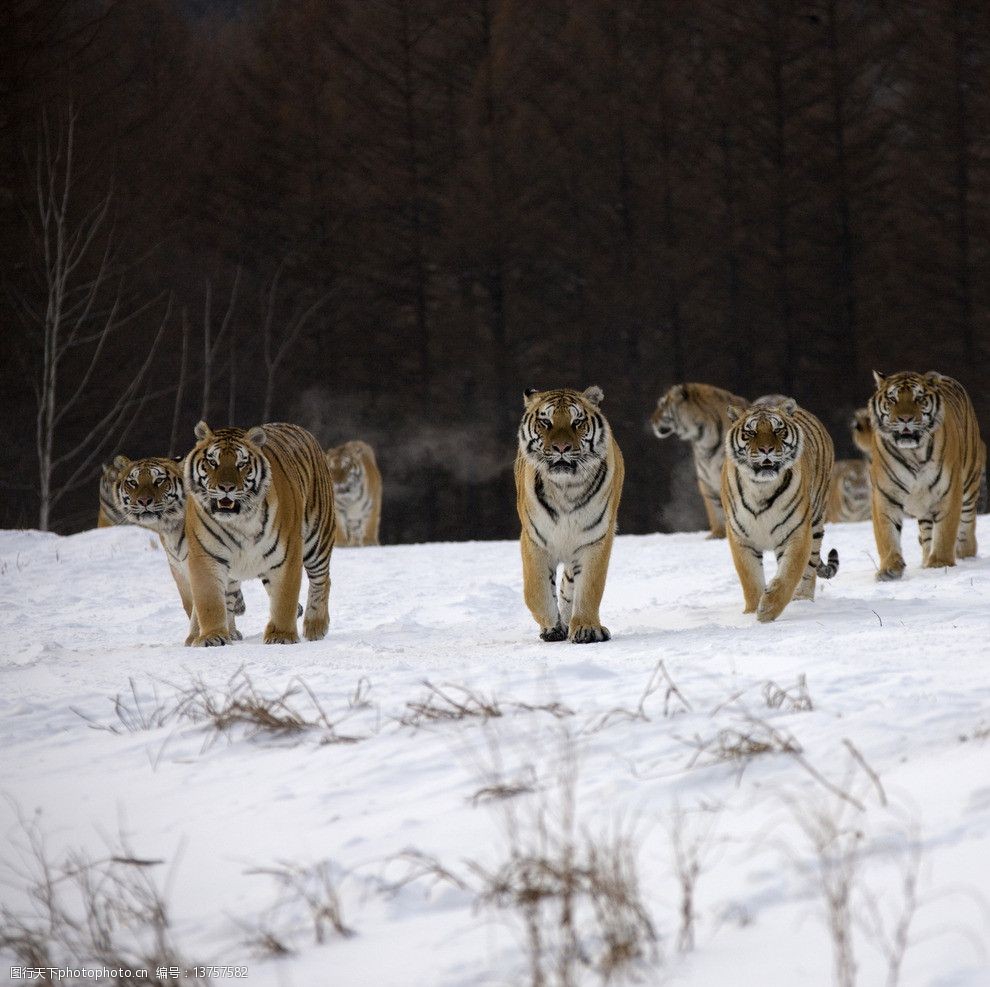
[(226, 487), (561, 449), (906, 419), (765, 450), (143, 501)]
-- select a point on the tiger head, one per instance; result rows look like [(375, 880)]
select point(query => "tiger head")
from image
[(563, 432), (150, 492), (862, 430), (676, 414), (906, 407), (346, 470), (227, 472), (764, 439)]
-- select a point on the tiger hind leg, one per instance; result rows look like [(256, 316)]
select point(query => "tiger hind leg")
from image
[(566, 595), (316, 616), (806, 588)]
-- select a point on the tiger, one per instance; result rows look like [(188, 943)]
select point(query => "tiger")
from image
[(357, 493), (569, 474), (696, 413), (928, 462), (778, 459), (150, 493), (849, 495), (260, 503)]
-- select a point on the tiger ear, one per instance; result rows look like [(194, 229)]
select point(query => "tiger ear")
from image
[(256, 435), (119, 463), (529, 394), (678, 392), (595, 395), (734, 413), (789, 406), (878, 378), (932, 377), (202, 431)]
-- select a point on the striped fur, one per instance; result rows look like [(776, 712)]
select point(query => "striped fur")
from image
[(357, 493), (110, 512), (928, 462), (569, 474), (260, 503), (774, 491), (698, 414), (849, 491)]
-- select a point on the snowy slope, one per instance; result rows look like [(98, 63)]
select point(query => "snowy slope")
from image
[(899, 670)]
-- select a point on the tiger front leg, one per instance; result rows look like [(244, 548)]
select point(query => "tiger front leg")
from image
[(888, 517), (283, 589), (748, 561), (210, 623), (540, 589), (792, 568), (585, 625)]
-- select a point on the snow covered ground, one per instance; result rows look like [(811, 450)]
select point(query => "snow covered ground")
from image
[(247, 824)]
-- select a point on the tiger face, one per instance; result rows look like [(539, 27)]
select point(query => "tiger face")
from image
[(764, 440), (346, 471), (676, 415), (150, 492), (906, 407), (227, 472), (563, 432)]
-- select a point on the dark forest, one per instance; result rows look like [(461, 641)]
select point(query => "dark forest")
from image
[(384, 219)]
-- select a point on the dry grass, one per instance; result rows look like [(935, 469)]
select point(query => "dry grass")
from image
[(673, 702), (311, 891), (135, 714), (456, 703), (107, 912), (574, 894), (795, 699), (238, 706), (741, 745), (692, 838)]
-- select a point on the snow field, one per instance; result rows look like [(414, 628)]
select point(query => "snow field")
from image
[(898, 670)]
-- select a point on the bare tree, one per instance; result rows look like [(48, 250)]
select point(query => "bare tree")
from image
[(211, 343), (82, 305)]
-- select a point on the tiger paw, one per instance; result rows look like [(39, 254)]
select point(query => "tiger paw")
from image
[(589, 634), (275, 636), (715, 536), (315, 628), (235, 634), (770, 608), (894, 569), (938, 562), (553, 633), (211, 641)]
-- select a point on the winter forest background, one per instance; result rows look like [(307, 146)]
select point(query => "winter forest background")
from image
[(384, 219)]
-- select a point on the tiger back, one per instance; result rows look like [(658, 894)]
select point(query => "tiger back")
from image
[(697, 414), (928, 461), (259, 504), (357, 492), (775, 484), (569, 474)]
